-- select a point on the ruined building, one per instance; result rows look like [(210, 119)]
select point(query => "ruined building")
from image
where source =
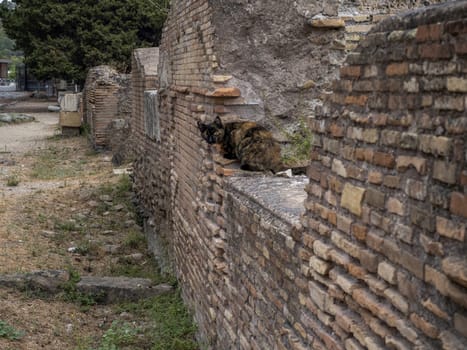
[(369, 249)]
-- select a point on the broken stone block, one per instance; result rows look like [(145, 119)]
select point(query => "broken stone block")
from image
[(115, 289)]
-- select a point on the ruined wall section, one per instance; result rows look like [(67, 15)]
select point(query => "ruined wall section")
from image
[(386, 209), (284, 55), (107, 108)]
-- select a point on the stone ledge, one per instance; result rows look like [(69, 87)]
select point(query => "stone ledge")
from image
[(283, 197)]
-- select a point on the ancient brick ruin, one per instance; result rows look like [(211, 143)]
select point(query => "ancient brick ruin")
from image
[(107, 109), (372, 253)]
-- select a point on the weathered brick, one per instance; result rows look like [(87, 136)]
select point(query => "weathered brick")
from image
[(390, 137), (460, 323), (449, 103), (426, 327), (430, 246), (397, 300), (375, 177), (455, 84), (409, 140), (395, 206), (351, 71), (458, 204), (359, 231), (445, 286), (455, 267), (435, 51), (422, 218), (430, 305), (445, 172), (461, 47), (387, 272), (416, 189), (429, 32), (322, 249), (412, 263), (391, 181), (384, 159), (435, 145), (404, 233), (359, 100), (338, 167), (397, 69), (450, 228), (320, 266), (375, 198), (404, 162), (352, 197)]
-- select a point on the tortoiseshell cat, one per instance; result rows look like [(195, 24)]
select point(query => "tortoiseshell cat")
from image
[(248, 142)]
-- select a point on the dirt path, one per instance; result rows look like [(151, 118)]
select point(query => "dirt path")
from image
[(63, 207)]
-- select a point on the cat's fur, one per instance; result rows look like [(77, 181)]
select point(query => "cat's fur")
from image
[(248, 142)]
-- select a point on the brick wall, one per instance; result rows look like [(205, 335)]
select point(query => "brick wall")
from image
[(386, 209), (107, 107), (254, 276)]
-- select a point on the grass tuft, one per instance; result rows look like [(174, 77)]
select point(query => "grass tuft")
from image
[(9, 332)]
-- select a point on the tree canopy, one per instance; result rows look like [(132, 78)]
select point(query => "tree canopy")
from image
[(64, 38)]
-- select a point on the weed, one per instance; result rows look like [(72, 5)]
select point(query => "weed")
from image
[(71, 293), (135, 240), (53, 163), (9, 332), (119, 334), (12, 181), (173, 327), (301, 143), (66, 226)]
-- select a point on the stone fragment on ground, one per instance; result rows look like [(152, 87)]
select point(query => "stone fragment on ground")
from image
[(107, 289), (115, 289)]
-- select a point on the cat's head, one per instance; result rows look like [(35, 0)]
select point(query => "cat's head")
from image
[(212, 132)]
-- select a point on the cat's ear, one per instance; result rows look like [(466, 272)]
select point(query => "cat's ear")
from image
[(218, 122), (201, 126)]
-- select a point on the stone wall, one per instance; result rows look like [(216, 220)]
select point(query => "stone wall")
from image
[(387, 204), (254, 276), (107, 109)]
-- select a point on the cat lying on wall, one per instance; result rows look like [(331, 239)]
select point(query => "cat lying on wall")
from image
[(248, 142)]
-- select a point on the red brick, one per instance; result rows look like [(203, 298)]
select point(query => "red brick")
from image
[(351, 71), (458, 205), (397, 69), (461, 47), (435, 51), (359, 231), (456, 27), (356, 100), (429, 32), (384, 159)]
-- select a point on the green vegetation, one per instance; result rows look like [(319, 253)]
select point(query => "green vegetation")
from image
[(301, 144), (119, 334), (56, 163), (171, 327), (63, 39), (9, 332), (12, 181), (72, 295)]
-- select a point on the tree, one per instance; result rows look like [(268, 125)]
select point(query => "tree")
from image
[(63, 38)]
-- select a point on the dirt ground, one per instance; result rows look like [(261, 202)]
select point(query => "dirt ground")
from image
[(60, 208)]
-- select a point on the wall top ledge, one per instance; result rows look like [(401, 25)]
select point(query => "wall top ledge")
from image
[(284, 197)]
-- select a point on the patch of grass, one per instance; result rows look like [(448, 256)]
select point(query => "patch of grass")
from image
[(72, 295), (135, 240), (119, 334), (12, 181), (54, 163), (9, 332), (301, 144), (172, 325), (66, 226)]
